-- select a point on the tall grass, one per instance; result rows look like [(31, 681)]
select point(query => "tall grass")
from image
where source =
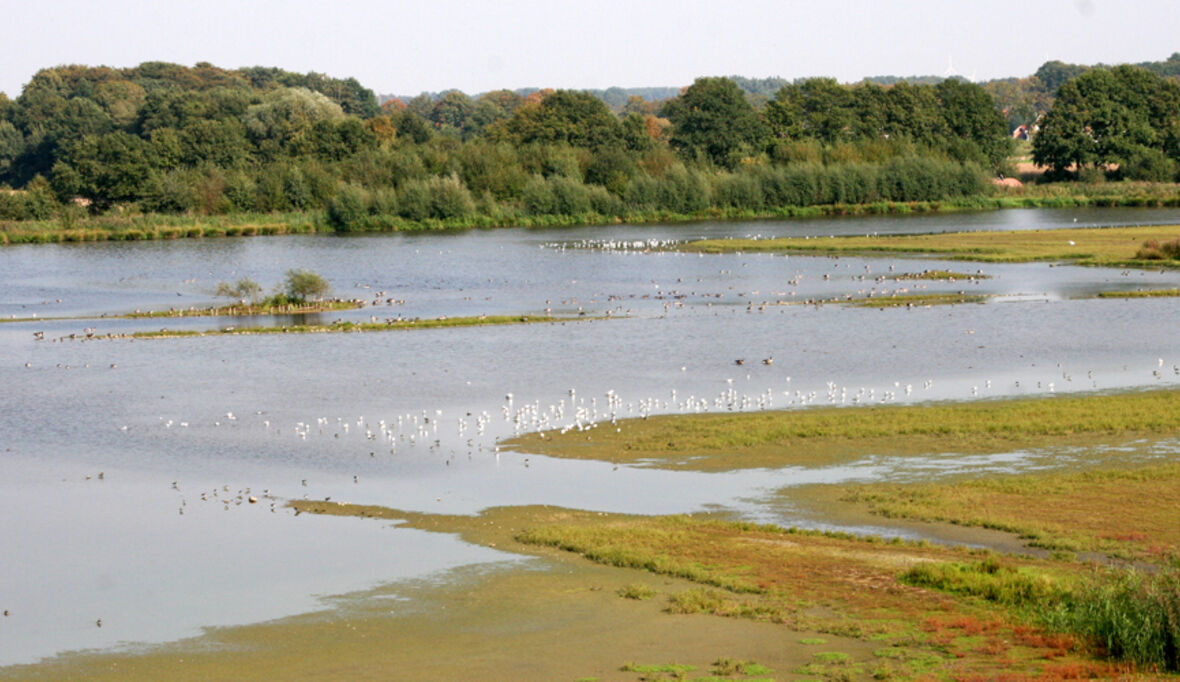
[(1134, 615)]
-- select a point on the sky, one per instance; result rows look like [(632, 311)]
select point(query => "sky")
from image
[(404, 48)]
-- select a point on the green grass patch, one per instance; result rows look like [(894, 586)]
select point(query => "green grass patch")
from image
[(636, 591), (832, 657), (825, 435), (727, 667), (639, 547), (989, 579)]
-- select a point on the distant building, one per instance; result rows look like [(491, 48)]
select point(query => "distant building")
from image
[(1021, 132)]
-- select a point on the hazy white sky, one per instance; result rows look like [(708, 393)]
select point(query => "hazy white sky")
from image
[(395, 46)]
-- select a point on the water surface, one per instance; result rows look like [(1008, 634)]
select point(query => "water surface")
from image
[(185, 431)]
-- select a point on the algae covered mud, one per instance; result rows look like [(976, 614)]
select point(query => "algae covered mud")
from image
[(144, 484)]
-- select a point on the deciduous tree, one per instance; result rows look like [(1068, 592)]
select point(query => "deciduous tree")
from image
[(712, 120)]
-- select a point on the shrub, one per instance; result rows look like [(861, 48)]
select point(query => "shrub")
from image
[(241, 191), (301, 285), (244, 289), (413, 200), (434, 198), (449, 198), (1152, 249), (537, 196), (1151, 165), (603, 202), (570, 197), (642, 193), (1092, 175), (739, 190), (349, 209)]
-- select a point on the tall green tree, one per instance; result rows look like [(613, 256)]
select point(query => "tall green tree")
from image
[(452, 112), (285, 117), (974, 125), (818, 108), (105, 169), (1052, 75), (578, 119), (1110, 116), (712, 120)]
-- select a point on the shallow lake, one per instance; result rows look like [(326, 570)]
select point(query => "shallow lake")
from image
[(128, 465)]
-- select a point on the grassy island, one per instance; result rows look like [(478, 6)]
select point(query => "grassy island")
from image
[(825, 435), (340, 326), (246, 309), (939, 276), (916, 300), (1143, 293), (1111, 246)]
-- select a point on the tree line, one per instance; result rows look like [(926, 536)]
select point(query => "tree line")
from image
[(166, 138)]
